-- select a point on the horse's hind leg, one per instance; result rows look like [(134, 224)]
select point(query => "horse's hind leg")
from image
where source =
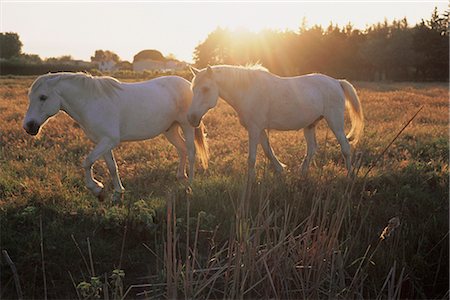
[(174, 137), (337, 126), (264, 141), (112, 167), (345, 149), (311, 147)]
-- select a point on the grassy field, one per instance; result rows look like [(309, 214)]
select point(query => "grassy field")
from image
[(315, 237)]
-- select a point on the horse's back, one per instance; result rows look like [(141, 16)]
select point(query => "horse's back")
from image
[(158, 86), (297, 102), (150, 107)]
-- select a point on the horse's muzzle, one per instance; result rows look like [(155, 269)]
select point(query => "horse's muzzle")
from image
[(32, 127)]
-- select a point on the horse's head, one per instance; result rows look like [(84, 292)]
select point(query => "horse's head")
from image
[(206, 94), (44, 102)]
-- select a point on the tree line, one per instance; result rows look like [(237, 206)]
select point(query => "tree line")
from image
[(14, 62), (384, 51)]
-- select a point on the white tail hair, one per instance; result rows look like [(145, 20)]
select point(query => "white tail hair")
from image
[(354, 107), (201, 145)]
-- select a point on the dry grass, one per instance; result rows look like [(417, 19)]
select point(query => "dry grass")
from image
[(293, 238)]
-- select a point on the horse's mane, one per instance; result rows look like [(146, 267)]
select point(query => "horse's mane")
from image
[(239, 75), (241, 68), (96, 85)]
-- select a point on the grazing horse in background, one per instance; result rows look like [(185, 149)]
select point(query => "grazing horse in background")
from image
[(265, 101), (111, 112)]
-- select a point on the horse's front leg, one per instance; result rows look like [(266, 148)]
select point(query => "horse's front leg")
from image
[(311, 146), (253, 141), (174, 137), (264, 141), (96, 187), (112, 167)]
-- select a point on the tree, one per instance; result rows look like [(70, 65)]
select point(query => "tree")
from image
[(214, 50), (375, 52), (125, 65), (430, 44), (10, 45), (104, 55), (31, 58), (392, 51), (400, 55), (310, 50)]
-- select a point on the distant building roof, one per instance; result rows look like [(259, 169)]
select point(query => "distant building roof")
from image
[(149, 55)]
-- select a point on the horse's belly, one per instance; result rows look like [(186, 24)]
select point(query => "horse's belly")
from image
[(292, 125), (146, 124), (292, 119), (148, 129), (139, 135)]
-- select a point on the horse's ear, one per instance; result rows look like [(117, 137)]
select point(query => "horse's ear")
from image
[(194, 71), (209, 71)]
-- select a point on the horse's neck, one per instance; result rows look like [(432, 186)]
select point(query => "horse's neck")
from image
[(228, 91), (73, 102)]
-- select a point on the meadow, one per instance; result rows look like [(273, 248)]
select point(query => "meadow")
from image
[(293, 238)]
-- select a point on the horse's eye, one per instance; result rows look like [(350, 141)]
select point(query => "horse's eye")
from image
[(205, 89), (42, 97)]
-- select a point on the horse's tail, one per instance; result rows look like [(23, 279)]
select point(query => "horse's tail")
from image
[(356, 112), (201, 145)]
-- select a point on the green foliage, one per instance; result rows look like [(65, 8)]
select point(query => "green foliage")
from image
[(116, 283), (143, 215), (94, 288), (91, 289), (10, 45)]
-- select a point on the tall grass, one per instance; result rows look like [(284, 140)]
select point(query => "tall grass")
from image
[(274, 249)]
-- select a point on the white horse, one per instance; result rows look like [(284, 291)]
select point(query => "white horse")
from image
[(111, 112), (266, 101)]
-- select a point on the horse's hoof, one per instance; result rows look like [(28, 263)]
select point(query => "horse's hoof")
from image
[(188, 190), (117, 197), (101, 195), (279, 168), (182, 178), (304, 173)]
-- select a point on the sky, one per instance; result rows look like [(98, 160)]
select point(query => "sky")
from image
[(78, 28)]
